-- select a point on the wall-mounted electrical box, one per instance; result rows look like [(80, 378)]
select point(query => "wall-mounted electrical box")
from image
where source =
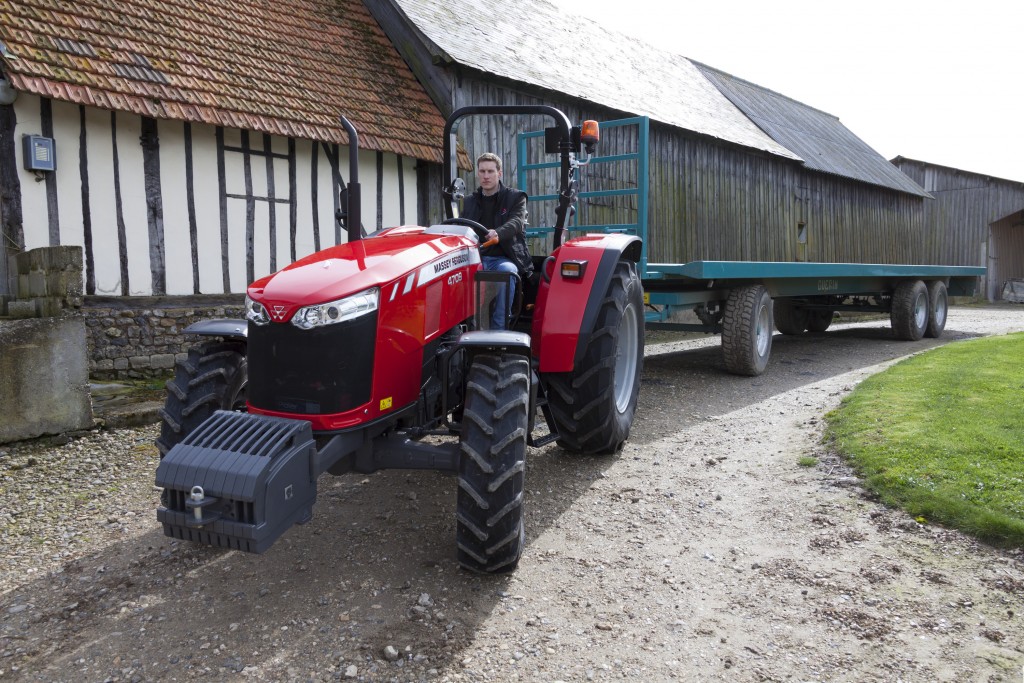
[(39, 153)]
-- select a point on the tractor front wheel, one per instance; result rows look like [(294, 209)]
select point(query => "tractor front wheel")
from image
[(213, 377), (489, 530), (593, 406)]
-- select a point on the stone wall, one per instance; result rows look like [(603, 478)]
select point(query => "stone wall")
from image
[(141, 337), (49, 282), (44, 384)]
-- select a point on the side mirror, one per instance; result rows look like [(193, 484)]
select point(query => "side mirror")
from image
[(458, 189)]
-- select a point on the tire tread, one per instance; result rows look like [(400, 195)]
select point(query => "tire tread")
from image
[(489, 515), (211, 377), (582, 402)]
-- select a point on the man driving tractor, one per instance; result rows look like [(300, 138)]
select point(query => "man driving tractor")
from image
[(502, 210)]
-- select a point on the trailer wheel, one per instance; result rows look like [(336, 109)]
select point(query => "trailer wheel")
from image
[(747, 330), (213, 377), (789, 319), (909, 314), (489, 516), (819, 321), (938, 309), (593, 405)]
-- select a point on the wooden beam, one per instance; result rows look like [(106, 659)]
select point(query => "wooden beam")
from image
[(83, 173), (154, 204), (190, 199), (52, 211), (122, 233)]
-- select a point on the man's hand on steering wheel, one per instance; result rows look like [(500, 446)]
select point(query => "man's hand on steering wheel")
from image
[(487, 237)]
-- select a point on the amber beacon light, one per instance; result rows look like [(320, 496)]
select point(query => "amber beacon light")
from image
[(590, 134)]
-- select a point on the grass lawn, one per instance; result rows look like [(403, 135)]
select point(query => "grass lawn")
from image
[(942, 436)]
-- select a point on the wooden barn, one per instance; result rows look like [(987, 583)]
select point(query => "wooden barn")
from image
[(735, 171), (193, 148), (973, 211)]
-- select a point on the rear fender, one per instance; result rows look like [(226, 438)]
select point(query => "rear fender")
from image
[(228, 328), (567, 309)]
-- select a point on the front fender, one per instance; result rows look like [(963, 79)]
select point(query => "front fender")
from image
[(567, 309), (229, 328)]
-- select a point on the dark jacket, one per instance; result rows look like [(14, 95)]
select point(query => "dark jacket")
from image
[(509, 222)]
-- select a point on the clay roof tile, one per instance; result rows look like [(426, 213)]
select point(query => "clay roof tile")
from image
[(288, 68)]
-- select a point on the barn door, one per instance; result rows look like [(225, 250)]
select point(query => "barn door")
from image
[(1005, 257)]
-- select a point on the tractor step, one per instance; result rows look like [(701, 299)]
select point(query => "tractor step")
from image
[(239, 481)]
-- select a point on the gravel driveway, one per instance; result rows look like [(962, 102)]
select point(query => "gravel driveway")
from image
[(702, 552)]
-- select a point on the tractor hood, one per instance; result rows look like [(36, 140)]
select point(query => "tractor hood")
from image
[(353, 267)]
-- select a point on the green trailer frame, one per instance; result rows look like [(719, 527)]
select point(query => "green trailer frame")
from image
[(674, 286)]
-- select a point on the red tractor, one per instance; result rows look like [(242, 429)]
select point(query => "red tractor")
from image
[(350, 357)]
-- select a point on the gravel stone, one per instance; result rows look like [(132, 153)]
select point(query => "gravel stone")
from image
[(613, 584)]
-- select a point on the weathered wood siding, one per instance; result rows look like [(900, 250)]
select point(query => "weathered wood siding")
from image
[(974, 220), (712, 200), (198, 209)]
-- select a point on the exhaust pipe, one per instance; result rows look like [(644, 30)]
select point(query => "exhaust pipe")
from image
[(353, 219)]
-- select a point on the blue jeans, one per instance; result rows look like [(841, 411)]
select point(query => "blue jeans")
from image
[(501, 304)]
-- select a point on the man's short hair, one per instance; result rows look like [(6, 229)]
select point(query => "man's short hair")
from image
[(489, 156)]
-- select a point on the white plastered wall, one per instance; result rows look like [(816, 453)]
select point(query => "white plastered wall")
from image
[(178, 257)]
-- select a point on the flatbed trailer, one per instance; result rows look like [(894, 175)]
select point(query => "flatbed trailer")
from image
[(745, 301)]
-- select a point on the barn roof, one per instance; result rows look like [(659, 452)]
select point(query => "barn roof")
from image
[(536, 43), (286, 68), (899, 160), (819, 138)]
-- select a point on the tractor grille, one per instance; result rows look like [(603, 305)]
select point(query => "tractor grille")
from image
[(311, 372)]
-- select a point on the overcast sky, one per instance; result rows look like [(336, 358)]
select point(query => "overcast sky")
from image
[(940, 82)]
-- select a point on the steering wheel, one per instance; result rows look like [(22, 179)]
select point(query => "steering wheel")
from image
[(480, 230)]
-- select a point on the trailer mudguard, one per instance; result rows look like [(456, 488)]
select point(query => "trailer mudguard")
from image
[(567, 308)]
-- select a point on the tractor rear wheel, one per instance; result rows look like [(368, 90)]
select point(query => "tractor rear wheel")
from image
[(909, 314), (489, 529), (747, 330), (593, 405), (213, 377)]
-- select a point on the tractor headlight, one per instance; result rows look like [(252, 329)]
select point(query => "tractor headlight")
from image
[(255, 312), (338, 311)]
